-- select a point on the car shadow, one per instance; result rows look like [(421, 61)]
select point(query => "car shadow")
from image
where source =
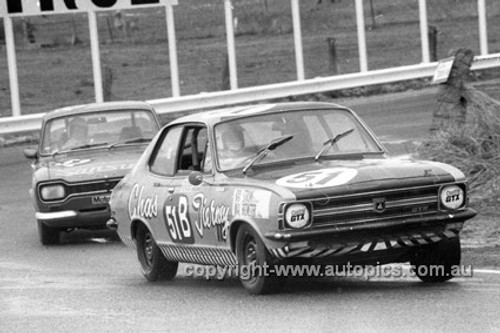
[(88, 237), (358, 285), (312, 285)]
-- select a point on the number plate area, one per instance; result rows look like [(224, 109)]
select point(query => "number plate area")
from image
[(100, 199)]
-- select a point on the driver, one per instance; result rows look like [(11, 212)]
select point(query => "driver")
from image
[(78, 133), (231, 146)]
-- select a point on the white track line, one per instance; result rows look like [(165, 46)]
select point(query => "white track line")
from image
[(474, 270), (486, 271)]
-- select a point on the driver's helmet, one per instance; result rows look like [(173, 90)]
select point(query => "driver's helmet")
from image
[(230, 138), (78, 126)]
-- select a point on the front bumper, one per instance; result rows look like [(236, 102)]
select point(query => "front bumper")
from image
[(74, 219), (374, 242), (55, 215), (75, 212), (374, 228)]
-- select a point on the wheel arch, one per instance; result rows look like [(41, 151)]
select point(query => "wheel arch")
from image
[(235, 226), (134, 225)]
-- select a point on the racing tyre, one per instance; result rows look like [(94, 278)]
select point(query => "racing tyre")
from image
[(48, 235), (154, 265), (436, 262), (254, 257)]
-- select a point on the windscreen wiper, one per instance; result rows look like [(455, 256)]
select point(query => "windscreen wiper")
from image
[(134, 140), (85, 146), (89, 145), (332, 141), (263, 152)]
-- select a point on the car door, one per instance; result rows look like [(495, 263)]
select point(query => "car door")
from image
[(159, 182), (192, 208), (183, 207)]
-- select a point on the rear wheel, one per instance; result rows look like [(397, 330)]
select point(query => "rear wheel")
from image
[(437, 262), (48, 235), (254, 257), (154, 265)]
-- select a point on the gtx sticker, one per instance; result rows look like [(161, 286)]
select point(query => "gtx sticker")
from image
[(177, 219), (298, 214), (251, 203), (74, 162), (140, 206), (319, 178), (452, 197), (209, 215)]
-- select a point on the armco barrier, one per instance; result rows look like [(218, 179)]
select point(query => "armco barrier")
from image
[(32, 122)]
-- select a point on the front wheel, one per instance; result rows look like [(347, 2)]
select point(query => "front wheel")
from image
[(437, 262), (48, 235), (254, 259), (154, 265)]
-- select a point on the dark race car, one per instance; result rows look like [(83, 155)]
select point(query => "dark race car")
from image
[(295, 183), (84, 151)]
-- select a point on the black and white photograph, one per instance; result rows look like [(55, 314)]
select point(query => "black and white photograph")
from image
[(249, 165)]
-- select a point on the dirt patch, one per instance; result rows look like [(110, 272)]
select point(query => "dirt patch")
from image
[(482, 231), (483, 257)]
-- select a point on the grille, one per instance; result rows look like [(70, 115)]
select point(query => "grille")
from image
[(360, 208), (100, 186), (89, 210), (389, 195)]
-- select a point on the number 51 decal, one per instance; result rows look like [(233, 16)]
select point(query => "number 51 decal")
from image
[(178, 221), (318, 178)]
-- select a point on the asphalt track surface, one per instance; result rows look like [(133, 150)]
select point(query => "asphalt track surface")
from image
[(92, 283)]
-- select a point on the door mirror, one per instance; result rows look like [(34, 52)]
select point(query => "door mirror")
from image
[(31, 153), (195, 178)]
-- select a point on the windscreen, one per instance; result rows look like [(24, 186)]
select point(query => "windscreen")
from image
[(82, 131), (238, 141)]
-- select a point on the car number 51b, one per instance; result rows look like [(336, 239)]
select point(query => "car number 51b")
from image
[(177, 220)]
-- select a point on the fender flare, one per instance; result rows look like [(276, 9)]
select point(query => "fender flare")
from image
[(233, 230)]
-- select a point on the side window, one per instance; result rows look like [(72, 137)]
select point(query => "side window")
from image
[(193, 148), (164, 161), (207, 160)]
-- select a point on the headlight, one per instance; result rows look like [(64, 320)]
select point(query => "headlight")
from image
[(452, 197), (297, 216), (52, 192)]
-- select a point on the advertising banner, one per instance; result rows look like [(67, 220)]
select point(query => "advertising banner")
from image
[(46, 7)]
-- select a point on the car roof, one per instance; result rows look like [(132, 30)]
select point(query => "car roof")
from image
[(95, 107), (218, 115)]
